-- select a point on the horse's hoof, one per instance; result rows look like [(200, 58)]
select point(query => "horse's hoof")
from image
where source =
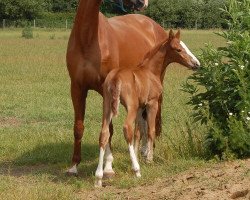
[(67, 173), (138, 174), (72, 171), (98, 183), (108, 175), (149, 161)]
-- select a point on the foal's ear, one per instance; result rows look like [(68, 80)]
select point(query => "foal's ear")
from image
[(170, 35), (178, 34)]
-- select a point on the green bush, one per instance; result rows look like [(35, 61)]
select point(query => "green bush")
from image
[(27, 32), (186, 13), (55, 20), (222, 98)]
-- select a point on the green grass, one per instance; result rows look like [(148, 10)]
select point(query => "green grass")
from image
[(36, 120)]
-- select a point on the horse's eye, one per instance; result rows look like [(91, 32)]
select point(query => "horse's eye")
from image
[(178, 50)]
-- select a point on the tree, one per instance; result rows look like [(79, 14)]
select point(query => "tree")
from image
[(21, 9), (61, 5), (186, 13)]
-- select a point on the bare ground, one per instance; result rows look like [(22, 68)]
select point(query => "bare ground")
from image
[(228, 180)]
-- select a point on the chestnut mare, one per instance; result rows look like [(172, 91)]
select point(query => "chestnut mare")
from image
[(138, 89), (96, 46)]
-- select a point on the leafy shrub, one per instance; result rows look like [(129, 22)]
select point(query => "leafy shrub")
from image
[(55, 20), (187, 13), (222, 98), (27, 32)]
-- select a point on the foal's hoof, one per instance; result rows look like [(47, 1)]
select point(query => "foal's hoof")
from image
[(149, 161), (98, 183), (108, 175), (138, 174)]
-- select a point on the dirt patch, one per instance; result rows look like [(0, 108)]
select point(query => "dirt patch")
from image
[(229, 180), (9, 121)]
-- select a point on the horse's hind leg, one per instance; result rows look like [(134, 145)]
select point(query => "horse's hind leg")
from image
[(128, 133), (78, 96), (103, 141), (108, 170)]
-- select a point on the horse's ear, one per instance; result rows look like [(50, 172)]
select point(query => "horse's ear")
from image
[(178, 34), (170, 35)]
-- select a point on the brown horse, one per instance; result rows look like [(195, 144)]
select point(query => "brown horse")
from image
[(139, 89), (96, 46)]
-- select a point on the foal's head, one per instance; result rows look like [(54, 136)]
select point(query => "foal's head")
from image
[(177, 51)]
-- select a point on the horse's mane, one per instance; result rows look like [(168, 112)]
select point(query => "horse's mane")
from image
[(152, 52)]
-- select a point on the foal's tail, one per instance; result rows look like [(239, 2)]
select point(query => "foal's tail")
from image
[(115, 91)]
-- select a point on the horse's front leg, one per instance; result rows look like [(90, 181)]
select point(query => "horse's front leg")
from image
[(78, 95), (151, 115), (142, 126), (140, 133)]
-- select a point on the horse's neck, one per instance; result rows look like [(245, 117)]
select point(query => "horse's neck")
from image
[(87, 21), (156, 64)]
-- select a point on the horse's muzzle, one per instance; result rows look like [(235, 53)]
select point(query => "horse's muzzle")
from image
[(194, 64), (140, 5)]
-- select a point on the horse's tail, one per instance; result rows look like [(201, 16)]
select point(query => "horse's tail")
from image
[(115, 91)]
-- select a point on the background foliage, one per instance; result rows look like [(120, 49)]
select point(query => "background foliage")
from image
[(222, 100), (187, 13), (170, 13)]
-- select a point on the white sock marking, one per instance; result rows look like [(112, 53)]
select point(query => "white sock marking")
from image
[(135, 164), (99, 170), (109, 159), (73, 170), (189, 52)]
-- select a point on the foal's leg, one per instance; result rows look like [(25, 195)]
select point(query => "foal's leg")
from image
[(108, 170), (144, 136), (78, 96), (151, 115), (141, 133), (103, 141), (137, 133), (128, 133)]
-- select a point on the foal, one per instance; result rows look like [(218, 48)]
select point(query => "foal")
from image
[(139, 89)]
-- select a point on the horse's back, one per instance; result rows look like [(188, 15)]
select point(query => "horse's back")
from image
[(135, 35)]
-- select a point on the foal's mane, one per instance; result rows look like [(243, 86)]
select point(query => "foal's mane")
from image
[(152, 52)]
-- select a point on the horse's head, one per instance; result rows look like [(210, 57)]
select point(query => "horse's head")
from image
[(178, 52), (132, 4)]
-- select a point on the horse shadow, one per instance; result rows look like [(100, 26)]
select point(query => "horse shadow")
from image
[(52, 159)]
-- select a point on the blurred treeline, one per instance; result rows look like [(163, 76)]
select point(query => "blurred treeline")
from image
[(169, 13)]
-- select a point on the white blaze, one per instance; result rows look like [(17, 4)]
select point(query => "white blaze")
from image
[(189, 52), (146, 3)]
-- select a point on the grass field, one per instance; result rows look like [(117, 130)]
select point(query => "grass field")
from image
[(36, 119)]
